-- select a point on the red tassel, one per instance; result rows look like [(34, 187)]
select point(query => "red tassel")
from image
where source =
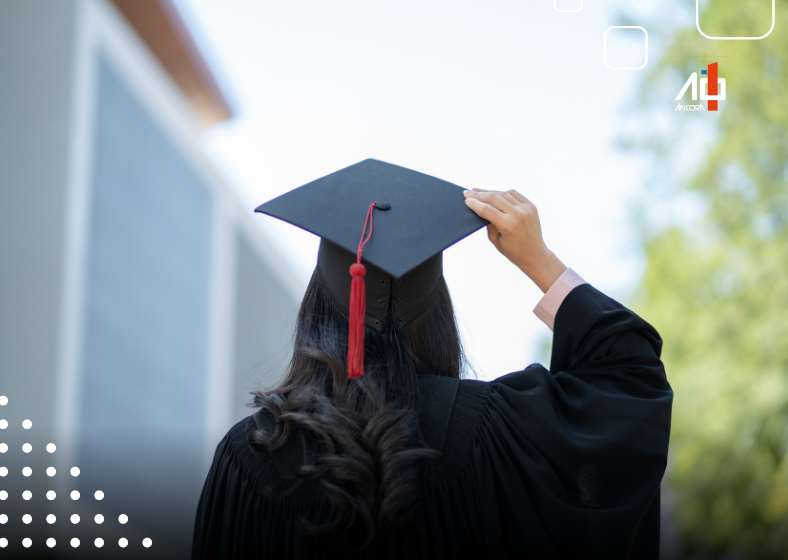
[(358, 305)]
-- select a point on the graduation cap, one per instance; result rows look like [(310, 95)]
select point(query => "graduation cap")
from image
[(393, 274)]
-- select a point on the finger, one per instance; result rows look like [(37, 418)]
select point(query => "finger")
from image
[(484, 210), (510, 197), (518, 196), (497, 200), (517, 200)]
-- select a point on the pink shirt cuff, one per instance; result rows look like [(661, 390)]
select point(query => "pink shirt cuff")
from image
[(551, 300)]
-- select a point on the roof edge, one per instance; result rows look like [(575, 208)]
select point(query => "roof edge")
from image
[(163, 30)]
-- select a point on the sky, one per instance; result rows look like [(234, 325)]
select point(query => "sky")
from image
[(499, 94)]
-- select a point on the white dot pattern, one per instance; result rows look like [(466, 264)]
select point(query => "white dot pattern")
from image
[(51, 518), (3, 471), (51, 471), (27, 471), (51, 447), (3, 543), (3, 495), (74, 471), (3, 519), (146, 542), (3, 400), (75, 542), (123, 543), (27, 543), (99, 495), (27, 518), (123, 518), (99, 542), (51, 542), (27, 424), (99, 519), (74, 495), (3, 424), (27, 448), (51, 495), (3, 447), (27, 494)]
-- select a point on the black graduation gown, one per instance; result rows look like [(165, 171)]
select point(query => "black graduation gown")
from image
[(565, 463)]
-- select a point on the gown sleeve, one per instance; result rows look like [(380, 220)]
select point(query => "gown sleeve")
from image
[(590, 436)]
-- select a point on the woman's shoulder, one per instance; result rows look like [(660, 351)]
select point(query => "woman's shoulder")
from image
[(450, 420), (270, 473), (460, 414)]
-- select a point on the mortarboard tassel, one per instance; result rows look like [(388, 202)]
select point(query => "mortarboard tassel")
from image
[(358, 304)]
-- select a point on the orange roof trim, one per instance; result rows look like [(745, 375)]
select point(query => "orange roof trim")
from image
[(161, 27)]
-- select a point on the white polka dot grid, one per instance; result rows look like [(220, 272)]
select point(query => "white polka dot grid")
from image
[(27, 495)]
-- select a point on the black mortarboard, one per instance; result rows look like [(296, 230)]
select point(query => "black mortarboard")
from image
[(415, 218)]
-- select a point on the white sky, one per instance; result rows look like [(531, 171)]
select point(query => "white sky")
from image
[(501, 94)]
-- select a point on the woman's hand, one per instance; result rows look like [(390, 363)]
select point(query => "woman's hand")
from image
[(515, 231)]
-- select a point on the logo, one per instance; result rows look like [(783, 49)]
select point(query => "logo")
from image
[(714, 85)]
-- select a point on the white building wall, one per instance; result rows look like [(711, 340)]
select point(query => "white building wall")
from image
[(51, 57)]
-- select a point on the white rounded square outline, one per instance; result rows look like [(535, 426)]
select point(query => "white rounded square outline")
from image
[(555, 5), (697, 24), (626, 67), (703, 86)]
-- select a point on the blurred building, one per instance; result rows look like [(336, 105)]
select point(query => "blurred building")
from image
[(139, 303)]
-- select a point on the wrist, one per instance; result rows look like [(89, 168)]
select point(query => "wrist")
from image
[(544, 270)]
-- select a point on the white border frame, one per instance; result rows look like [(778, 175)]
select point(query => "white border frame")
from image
[(555, 5), (626, 67), (697, 25)]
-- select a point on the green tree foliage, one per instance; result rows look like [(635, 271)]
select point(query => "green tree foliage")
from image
[(716, 286)]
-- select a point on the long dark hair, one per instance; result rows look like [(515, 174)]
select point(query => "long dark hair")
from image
[(365, 429)]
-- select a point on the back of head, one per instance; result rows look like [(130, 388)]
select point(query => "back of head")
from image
[(365, 430)]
